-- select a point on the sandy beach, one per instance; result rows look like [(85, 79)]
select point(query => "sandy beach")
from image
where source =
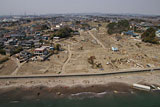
[(64, 85), (19, 90), (149, 78)]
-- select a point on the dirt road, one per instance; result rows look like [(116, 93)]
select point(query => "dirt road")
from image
[(69, 57), (99, 42), (18, 65)]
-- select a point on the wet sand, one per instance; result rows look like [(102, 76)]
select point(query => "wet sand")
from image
[(38, 92), (19, 89)]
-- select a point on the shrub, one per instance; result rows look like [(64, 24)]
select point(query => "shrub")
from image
[(149, 36), (122, 25), (64, 32), (17, 50), (3, 52)]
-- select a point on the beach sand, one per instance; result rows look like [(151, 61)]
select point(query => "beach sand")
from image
[(20, 89), (149, 77), (63, 86)]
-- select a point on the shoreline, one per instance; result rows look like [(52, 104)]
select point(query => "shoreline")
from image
[(61, 87), (44, 92)]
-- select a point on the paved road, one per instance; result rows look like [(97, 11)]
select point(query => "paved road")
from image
[(99, 42), (82, 75), (69, 57)]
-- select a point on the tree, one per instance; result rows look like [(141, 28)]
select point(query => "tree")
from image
[(122, 25), (44, 27), (149, 36), (64, 32), (17, 50), (57, 47), (2, 51)]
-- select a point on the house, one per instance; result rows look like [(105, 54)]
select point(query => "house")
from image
[(131, 33), (58, 26), (158, 33), (76, 33), (45, 37), (7, 36), (1, 43), (24, 55), (146, 24), (37, 44), (38, 34), (17, 35), (27, 44), (41, 51), (56, 37), (11, 42), (9, 50)]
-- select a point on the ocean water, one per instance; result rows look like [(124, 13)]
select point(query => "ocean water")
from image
[(143, 99)]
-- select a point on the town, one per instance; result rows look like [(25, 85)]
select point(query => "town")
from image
[(78, 44)]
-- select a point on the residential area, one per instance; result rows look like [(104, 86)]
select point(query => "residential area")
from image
[(78, 44)]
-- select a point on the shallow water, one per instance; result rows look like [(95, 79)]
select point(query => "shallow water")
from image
[(141, 99)]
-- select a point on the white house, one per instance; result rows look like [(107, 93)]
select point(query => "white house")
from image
[(158, 33), (41, 51)]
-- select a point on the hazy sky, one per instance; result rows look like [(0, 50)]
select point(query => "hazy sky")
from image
[(79, 6)]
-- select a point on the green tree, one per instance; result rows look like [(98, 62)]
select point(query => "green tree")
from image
[(17, 50), (149, 36), (64, 32), (44, 27), (2, 51), (57, 47), (122, 25)]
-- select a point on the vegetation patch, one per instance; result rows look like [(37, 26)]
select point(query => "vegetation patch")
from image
[(149, 36), (63, 32), (122, 25)]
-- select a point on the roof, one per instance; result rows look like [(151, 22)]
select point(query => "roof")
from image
[(46, 35), (114, 49), (158, 31), (40, 49), (56, 37)]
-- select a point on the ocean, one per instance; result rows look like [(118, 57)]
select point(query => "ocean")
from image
[(140, 99)]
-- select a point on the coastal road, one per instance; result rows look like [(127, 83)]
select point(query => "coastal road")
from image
[(69, 57), (99, 42), (83, 75)]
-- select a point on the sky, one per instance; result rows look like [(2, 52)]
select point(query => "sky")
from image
[(20, 7)]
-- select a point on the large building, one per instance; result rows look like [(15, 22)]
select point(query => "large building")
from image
[(41, 51)]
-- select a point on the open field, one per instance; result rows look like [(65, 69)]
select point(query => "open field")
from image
[(7, 67)]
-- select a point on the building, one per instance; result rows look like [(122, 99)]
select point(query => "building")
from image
[(45, 37), (41, 51), (158, 33), (1, 43), (131, 33)]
